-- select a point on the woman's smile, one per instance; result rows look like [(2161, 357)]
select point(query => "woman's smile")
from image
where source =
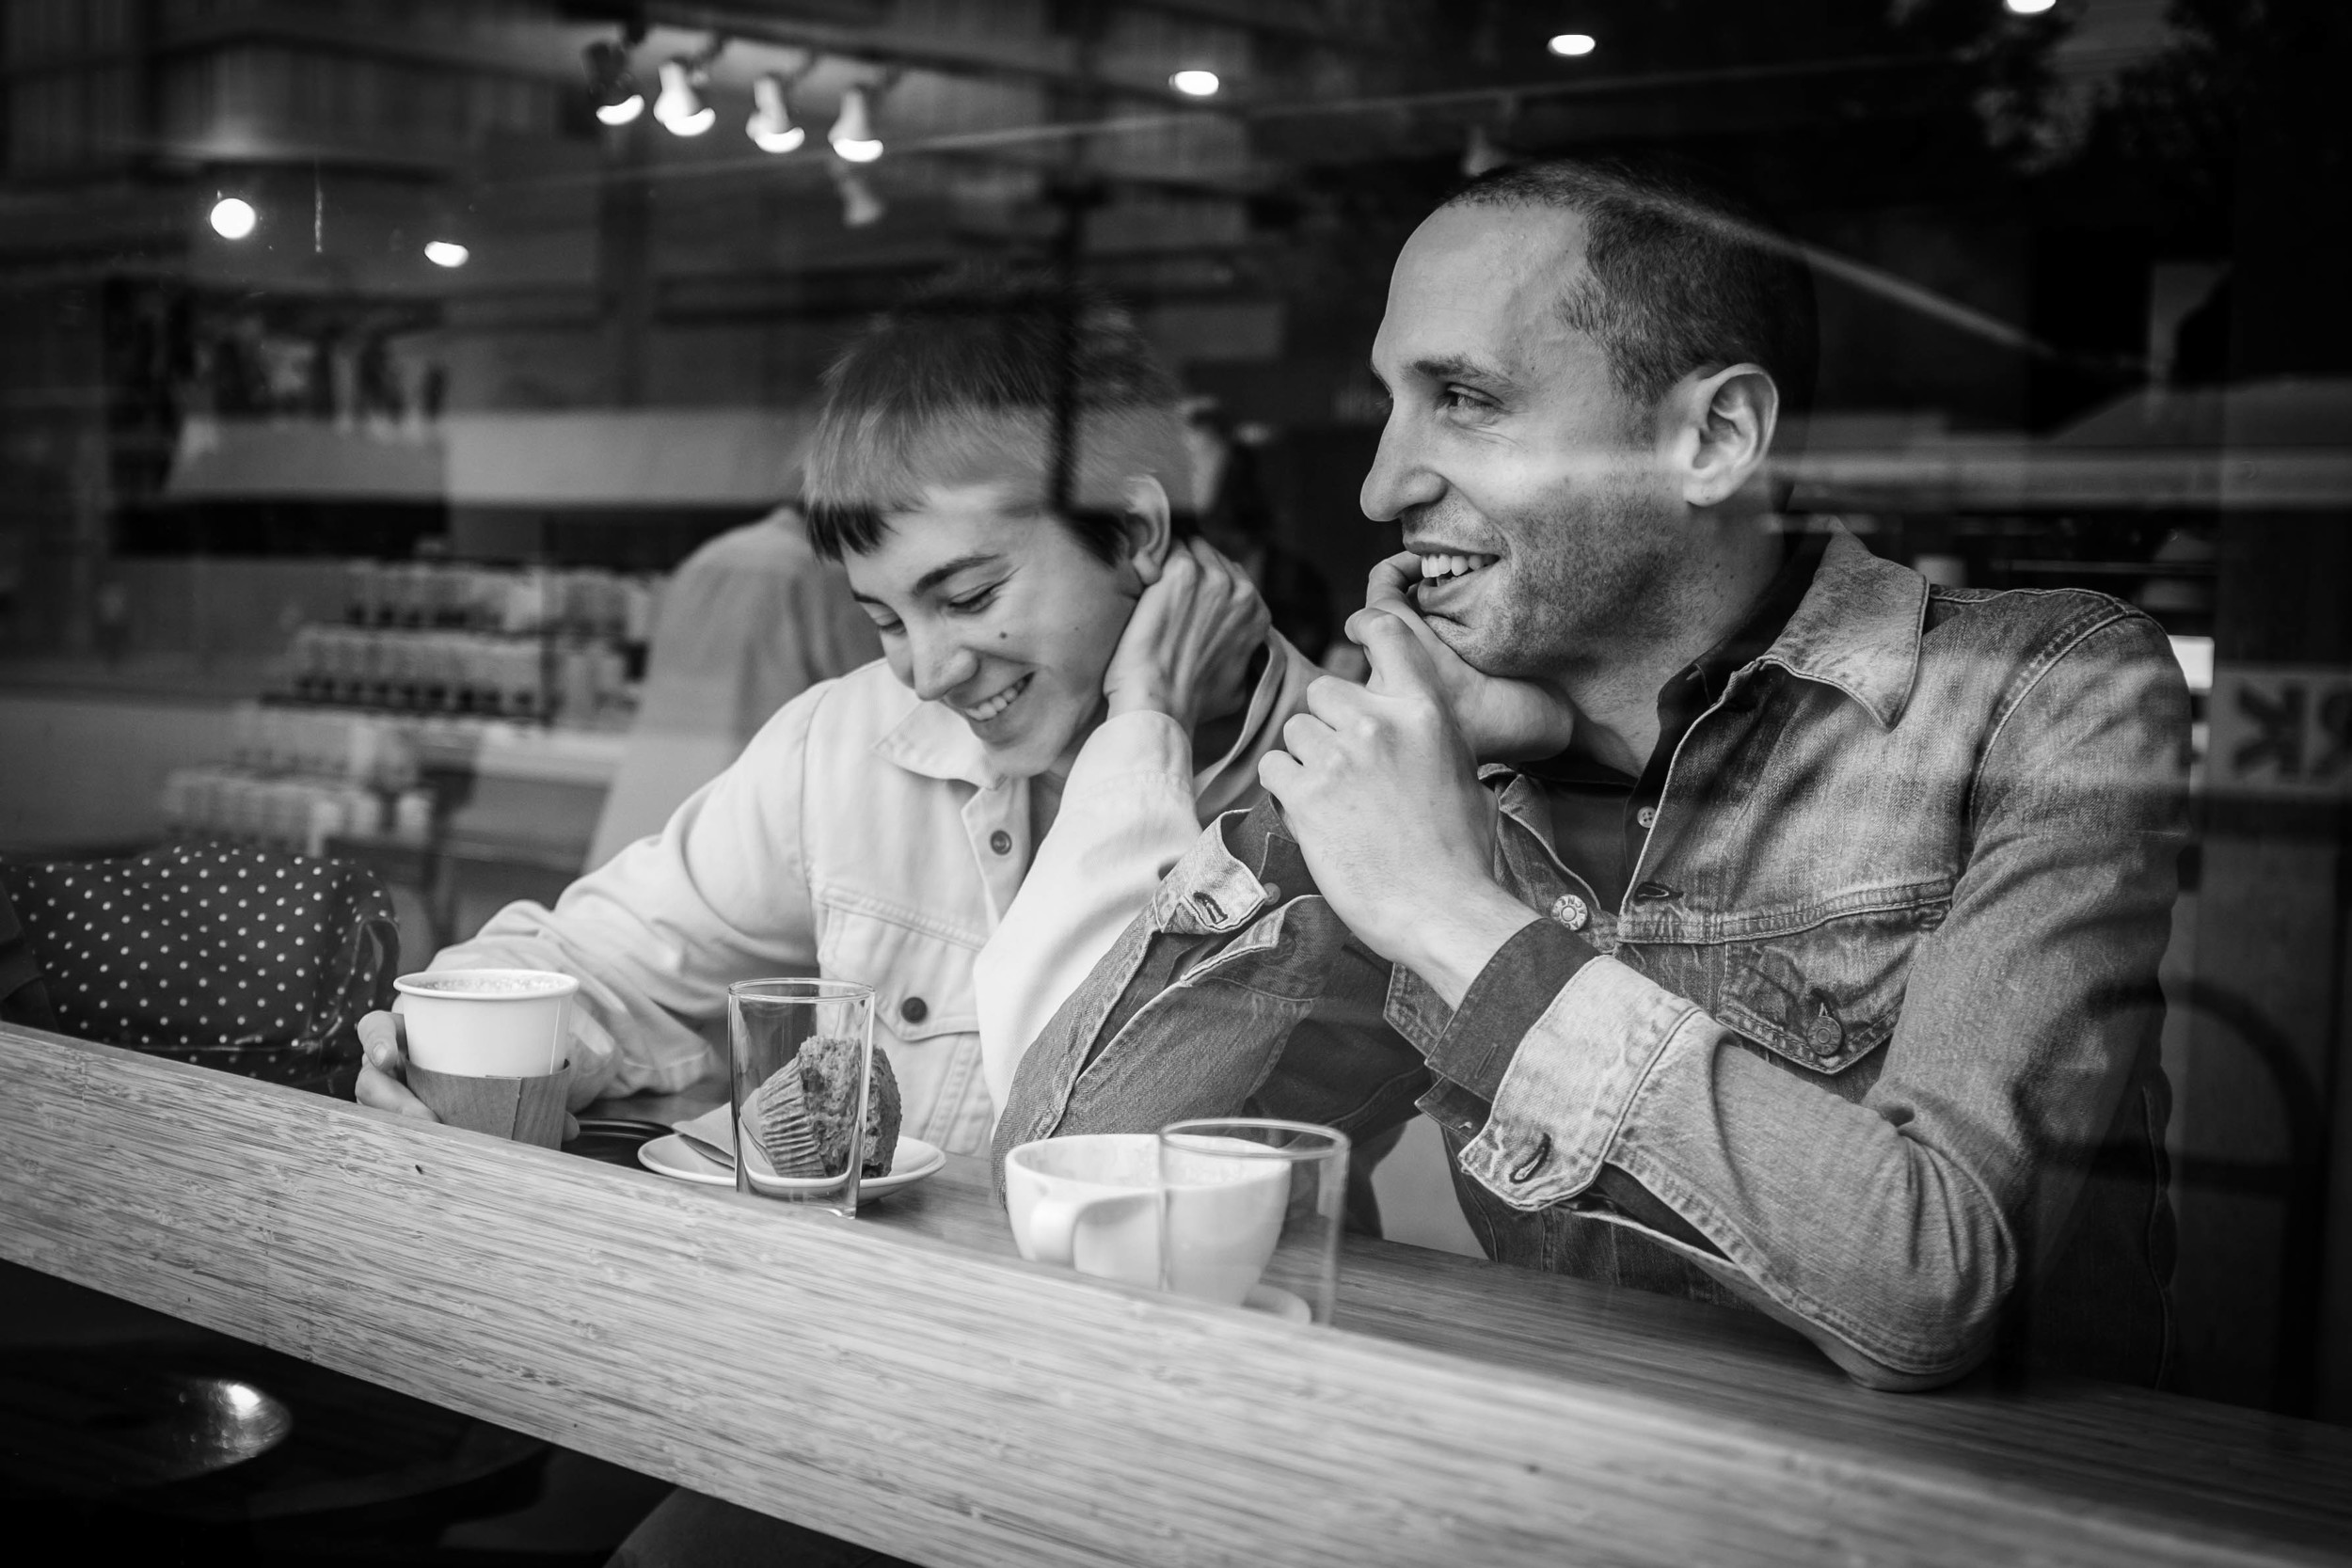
[(992, 707)]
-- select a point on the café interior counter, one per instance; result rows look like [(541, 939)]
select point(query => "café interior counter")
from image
[(905, 1380)]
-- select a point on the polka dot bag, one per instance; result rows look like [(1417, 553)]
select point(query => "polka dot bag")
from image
[(250, 960)]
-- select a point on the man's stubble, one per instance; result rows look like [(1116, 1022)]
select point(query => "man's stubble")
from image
[(1583, 579)]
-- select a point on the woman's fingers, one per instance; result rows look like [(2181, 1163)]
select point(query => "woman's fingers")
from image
[(384, 1066), (383, 1092), (380, 1042)]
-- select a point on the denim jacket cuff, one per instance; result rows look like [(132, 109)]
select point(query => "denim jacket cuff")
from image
[(1515, 990), (1571, 1082)]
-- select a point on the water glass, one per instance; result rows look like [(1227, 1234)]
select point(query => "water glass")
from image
[(1284, 1256), (770, 1023)]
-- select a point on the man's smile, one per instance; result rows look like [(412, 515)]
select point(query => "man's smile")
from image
[(1454, 564), (1445, 576)]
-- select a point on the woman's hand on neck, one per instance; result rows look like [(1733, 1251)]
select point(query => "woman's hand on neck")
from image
[(1187, 647)]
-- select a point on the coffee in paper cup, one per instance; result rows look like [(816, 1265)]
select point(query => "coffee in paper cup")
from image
[(486, 1022)]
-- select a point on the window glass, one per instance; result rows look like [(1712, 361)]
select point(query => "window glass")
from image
[(396, 392)]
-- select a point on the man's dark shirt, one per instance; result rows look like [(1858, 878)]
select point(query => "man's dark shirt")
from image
[(1599, 821)]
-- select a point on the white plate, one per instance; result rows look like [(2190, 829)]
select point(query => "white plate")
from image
[(1280, 1303), (673, 1157)]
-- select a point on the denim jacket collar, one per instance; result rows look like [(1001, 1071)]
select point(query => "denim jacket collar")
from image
[(1857, 629)]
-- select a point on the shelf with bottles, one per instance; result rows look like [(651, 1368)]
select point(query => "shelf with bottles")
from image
[(299, 815), (543, 646), (295, 778)]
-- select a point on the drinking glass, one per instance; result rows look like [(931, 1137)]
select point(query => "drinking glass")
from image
[(769, 1023), (1251, 1208)]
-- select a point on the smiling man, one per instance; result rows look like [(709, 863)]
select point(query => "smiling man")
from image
[(1761, 924)]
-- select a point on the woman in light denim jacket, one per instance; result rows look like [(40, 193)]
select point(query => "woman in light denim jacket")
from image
[(1067, 692)]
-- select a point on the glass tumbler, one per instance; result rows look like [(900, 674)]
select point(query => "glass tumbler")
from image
[(800, 1060), (1251, 1213)]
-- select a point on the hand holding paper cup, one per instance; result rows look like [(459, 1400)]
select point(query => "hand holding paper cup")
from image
[(486, 1049)]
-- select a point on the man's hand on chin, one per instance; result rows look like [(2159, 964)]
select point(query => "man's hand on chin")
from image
[(1501, 719), (1381, 789)]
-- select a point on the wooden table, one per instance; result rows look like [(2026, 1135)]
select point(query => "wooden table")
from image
[(904, 1381)]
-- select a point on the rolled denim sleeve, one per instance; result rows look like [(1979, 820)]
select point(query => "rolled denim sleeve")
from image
[(1892, 1227), (1515, 990)]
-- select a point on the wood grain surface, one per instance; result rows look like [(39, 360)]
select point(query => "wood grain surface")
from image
[(902, 1381)]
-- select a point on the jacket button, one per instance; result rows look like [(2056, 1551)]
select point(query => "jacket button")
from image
[(1001, 841), (1570, 910), (1645, 818), (1650, 892), (913, 1010), (1825, 1035)]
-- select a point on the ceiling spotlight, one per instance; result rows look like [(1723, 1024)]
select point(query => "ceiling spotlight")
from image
[(860, 206), (446, 253), (2029, 8), (1196, 83), (771, 126), (852, 134), (1574, 45), (680, 106), (1480, 156), (610, 88), (234, 218)]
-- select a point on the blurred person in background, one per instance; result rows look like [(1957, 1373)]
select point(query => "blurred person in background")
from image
[(1237, 516), (747, 623)]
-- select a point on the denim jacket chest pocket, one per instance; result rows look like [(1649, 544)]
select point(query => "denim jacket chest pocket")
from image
[(1823, 993), (926, 1018), (922, 979)]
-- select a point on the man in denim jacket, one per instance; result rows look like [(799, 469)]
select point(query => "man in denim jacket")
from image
[(1813, 967)]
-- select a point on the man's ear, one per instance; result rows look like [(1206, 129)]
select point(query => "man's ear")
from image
[(1147, 525), (1721, 431)]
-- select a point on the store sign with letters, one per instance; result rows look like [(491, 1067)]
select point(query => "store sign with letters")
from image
[(2282, 730)]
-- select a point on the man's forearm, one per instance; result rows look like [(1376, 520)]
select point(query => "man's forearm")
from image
[(1453, 936)]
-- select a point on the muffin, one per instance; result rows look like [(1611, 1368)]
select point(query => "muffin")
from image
[(801, 1115)]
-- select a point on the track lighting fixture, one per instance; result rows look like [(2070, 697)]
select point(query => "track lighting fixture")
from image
[(852, 134), (1480, 156), (680, 107), (860, 206), (610, 88), (771, 126)]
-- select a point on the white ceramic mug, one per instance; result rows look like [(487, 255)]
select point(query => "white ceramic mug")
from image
[(486, 1022), (1101, 1205)]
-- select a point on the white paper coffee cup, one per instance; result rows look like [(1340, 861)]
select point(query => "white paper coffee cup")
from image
[(486, 1022)]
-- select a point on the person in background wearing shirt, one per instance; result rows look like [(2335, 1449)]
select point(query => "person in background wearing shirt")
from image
[(747, 623), (1760, 923)]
